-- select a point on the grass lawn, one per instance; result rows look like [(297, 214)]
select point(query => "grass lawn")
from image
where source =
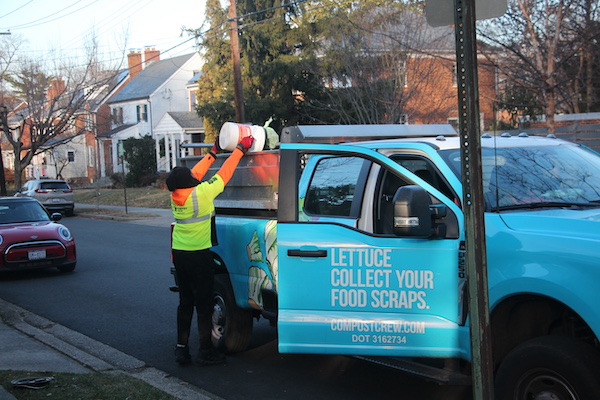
[(92, 386), (136, 197)]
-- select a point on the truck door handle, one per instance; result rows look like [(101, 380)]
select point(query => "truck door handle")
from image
[(307, 253)]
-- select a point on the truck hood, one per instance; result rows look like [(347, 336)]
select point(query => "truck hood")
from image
[(581, 223)]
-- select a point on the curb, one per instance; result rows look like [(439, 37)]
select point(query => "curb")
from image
[(4, 395), (93, 355)]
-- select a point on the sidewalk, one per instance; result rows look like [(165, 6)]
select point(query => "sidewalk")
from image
[(34, 344), (31, 343)]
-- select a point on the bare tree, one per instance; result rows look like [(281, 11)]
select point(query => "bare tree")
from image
[(540, 40), (9, 49), (375, 59), (53, 108)]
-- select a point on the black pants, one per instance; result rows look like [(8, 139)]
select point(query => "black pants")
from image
[(195, 276)]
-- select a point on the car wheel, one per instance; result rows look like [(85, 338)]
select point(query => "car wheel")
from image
[(67, 268), (549, 367), (232, 325)]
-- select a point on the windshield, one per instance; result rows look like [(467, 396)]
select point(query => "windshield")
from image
[(16, 212), (537, 176)]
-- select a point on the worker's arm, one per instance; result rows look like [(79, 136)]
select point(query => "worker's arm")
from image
[(202, 166), (228, 168)]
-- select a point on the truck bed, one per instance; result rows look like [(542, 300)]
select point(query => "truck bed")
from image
[(253, 189)]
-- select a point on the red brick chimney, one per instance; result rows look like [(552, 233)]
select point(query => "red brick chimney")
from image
[(134, 62), (56, 89), (137, 61), (151, 55)]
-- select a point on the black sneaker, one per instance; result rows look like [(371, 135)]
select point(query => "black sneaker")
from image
[(210, 357), (182, 355)]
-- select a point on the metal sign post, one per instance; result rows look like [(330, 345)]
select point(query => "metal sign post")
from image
[(468, 122), (438, 13)]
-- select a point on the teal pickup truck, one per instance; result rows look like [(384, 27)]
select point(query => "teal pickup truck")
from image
[(351, 241)]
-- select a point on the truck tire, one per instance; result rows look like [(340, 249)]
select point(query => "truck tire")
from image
[(549, 367), (232, 325)]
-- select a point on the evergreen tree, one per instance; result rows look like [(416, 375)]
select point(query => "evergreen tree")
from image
[(215, 97), (274, 79), (141, 161)]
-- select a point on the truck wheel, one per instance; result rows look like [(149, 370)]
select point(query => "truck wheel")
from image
[(232, 326), (549, 367)]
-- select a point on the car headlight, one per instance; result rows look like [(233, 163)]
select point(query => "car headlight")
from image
[(64, 233)]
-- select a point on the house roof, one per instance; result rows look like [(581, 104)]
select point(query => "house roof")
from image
[(99, 97), (116, 130), (187, 119), (150, 79)]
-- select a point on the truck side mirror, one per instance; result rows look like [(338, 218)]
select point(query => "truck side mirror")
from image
[(412, 212)]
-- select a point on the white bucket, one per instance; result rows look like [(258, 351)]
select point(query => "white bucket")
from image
[(232, 133)]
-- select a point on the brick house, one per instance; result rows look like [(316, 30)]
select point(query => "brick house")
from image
[(432, 69)]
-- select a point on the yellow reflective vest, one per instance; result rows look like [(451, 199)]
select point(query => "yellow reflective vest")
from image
[(194, 220)]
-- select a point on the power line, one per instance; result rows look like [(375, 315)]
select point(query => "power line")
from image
[(15, 10), (33, 23)]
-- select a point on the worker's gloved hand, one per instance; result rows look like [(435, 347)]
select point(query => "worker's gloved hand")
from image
[(216, 149), (245, 143)]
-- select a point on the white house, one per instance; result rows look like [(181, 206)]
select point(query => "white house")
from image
[(175, 128), (155, 89)]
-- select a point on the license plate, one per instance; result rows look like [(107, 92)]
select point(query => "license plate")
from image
[(37, 254), (55, 200)]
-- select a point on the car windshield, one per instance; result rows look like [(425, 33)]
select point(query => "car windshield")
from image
[(537, 176), (16, 212)]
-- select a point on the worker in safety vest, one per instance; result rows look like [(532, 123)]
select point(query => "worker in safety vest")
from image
[(192, 237)]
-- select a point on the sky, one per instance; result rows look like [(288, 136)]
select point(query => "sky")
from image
[(52, 27)]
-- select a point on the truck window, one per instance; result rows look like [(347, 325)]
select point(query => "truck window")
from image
[(426, 171), (332, 188), (389, 184)]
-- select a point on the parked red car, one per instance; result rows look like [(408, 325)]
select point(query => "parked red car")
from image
[(31, 238)]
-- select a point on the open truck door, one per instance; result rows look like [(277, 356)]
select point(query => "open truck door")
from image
[(345, 289)]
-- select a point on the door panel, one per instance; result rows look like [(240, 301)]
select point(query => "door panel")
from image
[(343, 291)]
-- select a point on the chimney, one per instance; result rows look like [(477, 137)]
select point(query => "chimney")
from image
[(134, 62), (151, 55), (57, 88)]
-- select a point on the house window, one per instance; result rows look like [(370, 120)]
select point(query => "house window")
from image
[(91, 161), (454, 76), (454, 122), (71, 156), (193, 100), (142, 113), (117, 115), (403, 73)]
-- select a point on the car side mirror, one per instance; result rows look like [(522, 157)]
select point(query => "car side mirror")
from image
[(56, 217), (413, 215)]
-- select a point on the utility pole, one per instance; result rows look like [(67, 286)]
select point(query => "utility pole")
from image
[(4, 123), (235, 59)]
